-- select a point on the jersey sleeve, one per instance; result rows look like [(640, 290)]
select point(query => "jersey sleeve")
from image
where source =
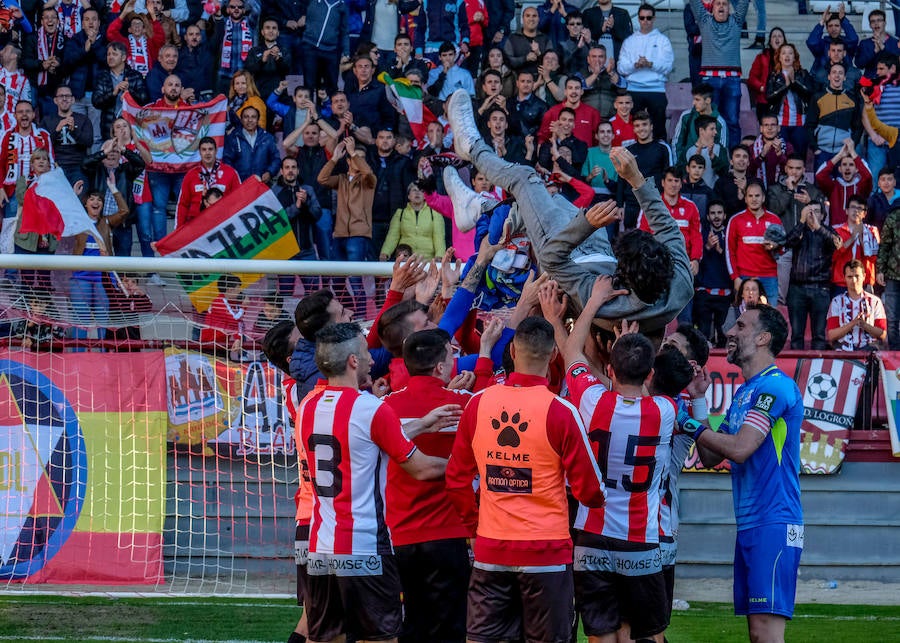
[(769, 402), (388, 434), (567, 434), (462, 468), (581, 382)]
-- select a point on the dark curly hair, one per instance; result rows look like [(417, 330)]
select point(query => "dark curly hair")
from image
[(645, 265)]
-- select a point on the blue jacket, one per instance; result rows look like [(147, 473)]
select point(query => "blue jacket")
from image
[(246, 160), (326, 26), (446, 20), (303, 367), (819, 40), (404, 8), (83, 66)]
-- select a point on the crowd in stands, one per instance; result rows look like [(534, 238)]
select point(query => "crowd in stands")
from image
[(557, 93)]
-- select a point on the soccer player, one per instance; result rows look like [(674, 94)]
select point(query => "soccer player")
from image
[(761, 437), (524, 443), (348, 435), (428, 536), (618, 565)]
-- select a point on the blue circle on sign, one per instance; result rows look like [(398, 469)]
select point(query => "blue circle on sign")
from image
[(49, 443)]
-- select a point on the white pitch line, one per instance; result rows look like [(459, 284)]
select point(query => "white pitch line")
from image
[(159, 603), (130, 639)]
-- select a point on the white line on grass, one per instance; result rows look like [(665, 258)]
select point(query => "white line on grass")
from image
[(121, 639), (160, 602)]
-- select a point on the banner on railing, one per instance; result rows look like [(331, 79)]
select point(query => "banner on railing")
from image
[(82, 467), (831, 390), (172, 134), (230, 409), (890, 383)]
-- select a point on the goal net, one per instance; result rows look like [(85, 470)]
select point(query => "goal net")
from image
[(143, 439)]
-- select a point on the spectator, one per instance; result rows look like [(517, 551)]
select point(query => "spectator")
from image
[(694, 41), (833, 116), (368, 103), (749, 252), (112, 83), (732, 186), (444, 80), (140, 201), (231, 42), (72, 134), (35, 333), (561, 135), (554, 21), (298, 114), (887, 111), (587, 119), (197, 66), (888, 275), (252, 150), (13, 79), (446, 22), (829, 28), (303, 210), (598, 167), (84, 55), (355, 187), (311, 158), (853, 177), (477, 17), (524, 47), (42, 59), (526, 109), (575, 42), (416, 225), (39, 162), (769, 152), (392, 172), (551, 81), (142, 36), (112, 165), (856, 318), (788, 90), (514, 149), (621, 121), (15, 162), (126, 301), (653, 157), (602, 82), (787, 198), (90, 303), (402, 59), (491, 85), (881, 200), (721, 62), (694, 185), (645, 60), (713, 286), (165, 65), (209, 173), (762, 68), (243, 92), (496, 60), (859, 242), (837, 55), (223, 324), (609, 25), (870, 49), (749, 294), (715, 158), (685, 136), (813, 244), (266, 61)]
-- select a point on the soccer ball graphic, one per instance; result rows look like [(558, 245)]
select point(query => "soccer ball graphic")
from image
[(822, 386)]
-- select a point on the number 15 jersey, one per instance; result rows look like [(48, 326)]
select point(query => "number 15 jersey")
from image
[(349, 436), (630, 438)]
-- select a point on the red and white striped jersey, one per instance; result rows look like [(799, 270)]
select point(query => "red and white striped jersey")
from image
[(631, 439), (348, 436), (790, 113)]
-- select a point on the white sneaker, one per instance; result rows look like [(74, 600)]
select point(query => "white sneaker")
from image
[(462, 124), (468, 205), (155, 280)]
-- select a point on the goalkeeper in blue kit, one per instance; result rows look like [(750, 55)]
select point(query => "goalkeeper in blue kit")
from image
[(760, 435)]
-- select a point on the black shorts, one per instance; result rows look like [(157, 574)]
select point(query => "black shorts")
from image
[(435, 580), (510, 605), (635, 594), (301, 551), (363, 607)]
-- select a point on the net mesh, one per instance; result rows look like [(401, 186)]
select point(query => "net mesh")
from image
[(143, 439)]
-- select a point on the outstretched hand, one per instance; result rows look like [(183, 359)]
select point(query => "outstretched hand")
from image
[(604, 290), (407, 274), (626, 166), (442, 417), (552, 307)]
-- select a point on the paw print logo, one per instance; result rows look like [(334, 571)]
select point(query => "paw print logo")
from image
[(509, 428)]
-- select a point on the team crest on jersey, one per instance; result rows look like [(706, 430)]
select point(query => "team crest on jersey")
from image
[(765, 402), (510, 427)]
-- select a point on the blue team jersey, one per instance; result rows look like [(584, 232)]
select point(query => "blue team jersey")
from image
[(766, 487)]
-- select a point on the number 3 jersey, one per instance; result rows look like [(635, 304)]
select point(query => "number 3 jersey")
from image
[(349, 435), (631, 438), (766, 486)]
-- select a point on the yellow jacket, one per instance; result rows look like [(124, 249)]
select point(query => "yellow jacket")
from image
[(422, 230)]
